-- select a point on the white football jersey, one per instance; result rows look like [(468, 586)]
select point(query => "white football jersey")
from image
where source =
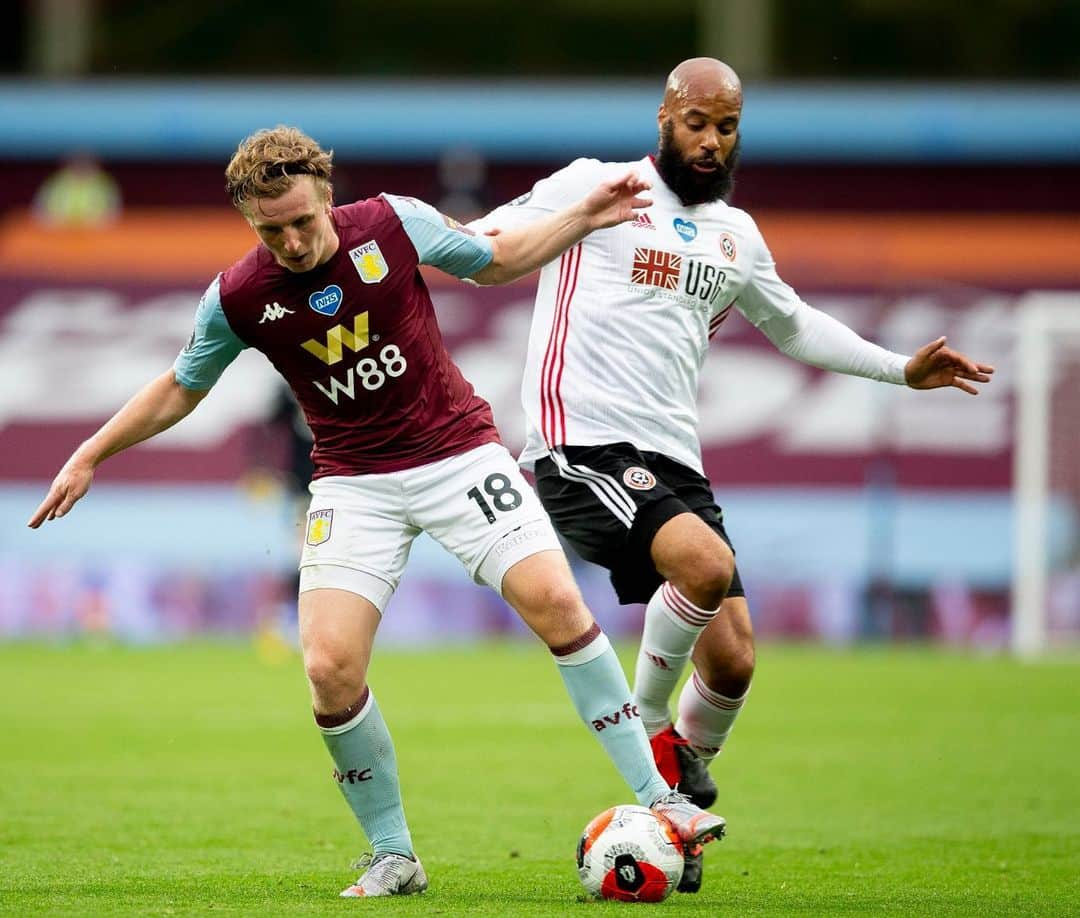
[(623, 319)]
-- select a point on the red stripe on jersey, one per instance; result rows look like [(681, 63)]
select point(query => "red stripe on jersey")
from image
[(575, 257), (551, 409), (718, 319), (546, 407)]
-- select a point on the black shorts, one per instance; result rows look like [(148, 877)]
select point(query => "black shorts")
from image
[(609, 502)]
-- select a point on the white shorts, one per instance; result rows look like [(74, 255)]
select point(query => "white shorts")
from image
[(477, 505)]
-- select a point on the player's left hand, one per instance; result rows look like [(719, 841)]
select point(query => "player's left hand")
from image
[(935, 366), (616, 201)]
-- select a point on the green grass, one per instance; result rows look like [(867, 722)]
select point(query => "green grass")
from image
[(191, 779)]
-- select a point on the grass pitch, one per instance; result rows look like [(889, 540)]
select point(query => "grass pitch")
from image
[(190, 779)]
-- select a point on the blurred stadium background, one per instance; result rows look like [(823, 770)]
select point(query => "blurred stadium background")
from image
[(914, 167)]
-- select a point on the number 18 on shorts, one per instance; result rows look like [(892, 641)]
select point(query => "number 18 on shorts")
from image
[(477, 505)]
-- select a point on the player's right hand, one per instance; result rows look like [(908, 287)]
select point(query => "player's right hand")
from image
[(616, 201), (70, 484)]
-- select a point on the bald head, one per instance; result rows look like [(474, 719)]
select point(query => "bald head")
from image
[(699, 129), (704, 79)]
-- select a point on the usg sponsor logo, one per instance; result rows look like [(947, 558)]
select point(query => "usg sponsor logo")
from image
[(703, 281)]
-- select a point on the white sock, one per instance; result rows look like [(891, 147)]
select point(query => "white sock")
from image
[(706, 717), (672, 625)]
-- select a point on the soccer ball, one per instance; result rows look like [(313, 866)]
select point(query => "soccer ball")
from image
[(631, 854)]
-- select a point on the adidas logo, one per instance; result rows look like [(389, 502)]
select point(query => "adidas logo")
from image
[(643, 222)]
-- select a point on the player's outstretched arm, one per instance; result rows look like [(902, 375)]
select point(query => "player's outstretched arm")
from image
[(935, 366), (522, 250), (154, 408)]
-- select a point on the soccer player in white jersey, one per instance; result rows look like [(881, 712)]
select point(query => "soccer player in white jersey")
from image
[(334, 298), (620, 330)]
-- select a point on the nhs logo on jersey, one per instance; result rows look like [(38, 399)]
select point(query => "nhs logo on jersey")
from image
[(686, 229), (327, 302), (369, 262)]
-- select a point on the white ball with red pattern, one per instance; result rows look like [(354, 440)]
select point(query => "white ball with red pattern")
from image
[(631, 854)]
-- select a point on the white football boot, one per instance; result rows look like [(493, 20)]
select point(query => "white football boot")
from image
[(694, 825), (388, 875)]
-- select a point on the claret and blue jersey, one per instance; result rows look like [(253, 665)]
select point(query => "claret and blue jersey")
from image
[(356, 338)]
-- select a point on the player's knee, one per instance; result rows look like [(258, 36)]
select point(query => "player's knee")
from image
[(333, 672), (560, 600), (557, 613), (706, 578)]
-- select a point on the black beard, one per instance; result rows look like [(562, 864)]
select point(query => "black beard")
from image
[(692, 187)]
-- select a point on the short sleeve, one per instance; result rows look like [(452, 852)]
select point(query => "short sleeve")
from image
[(558, 190), (213, 345), (441, 241)]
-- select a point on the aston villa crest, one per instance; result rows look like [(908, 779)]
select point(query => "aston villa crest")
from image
[(369, 262), (320, 522)]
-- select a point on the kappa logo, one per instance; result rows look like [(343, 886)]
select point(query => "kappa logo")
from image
[(274, 311), (339, 338), (727, 246), (320, 522), (638, 478), (369, 262), (625, 713), (327, 302)]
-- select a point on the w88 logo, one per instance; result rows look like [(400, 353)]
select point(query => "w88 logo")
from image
[(372, 374)]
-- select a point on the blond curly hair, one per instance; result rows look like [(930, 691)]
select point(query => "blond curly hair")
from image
[(266, 164)]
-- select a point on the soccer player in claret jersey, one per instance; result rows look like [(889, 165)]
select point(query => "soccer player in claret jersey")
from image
[(402, 444), (620, 330)]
